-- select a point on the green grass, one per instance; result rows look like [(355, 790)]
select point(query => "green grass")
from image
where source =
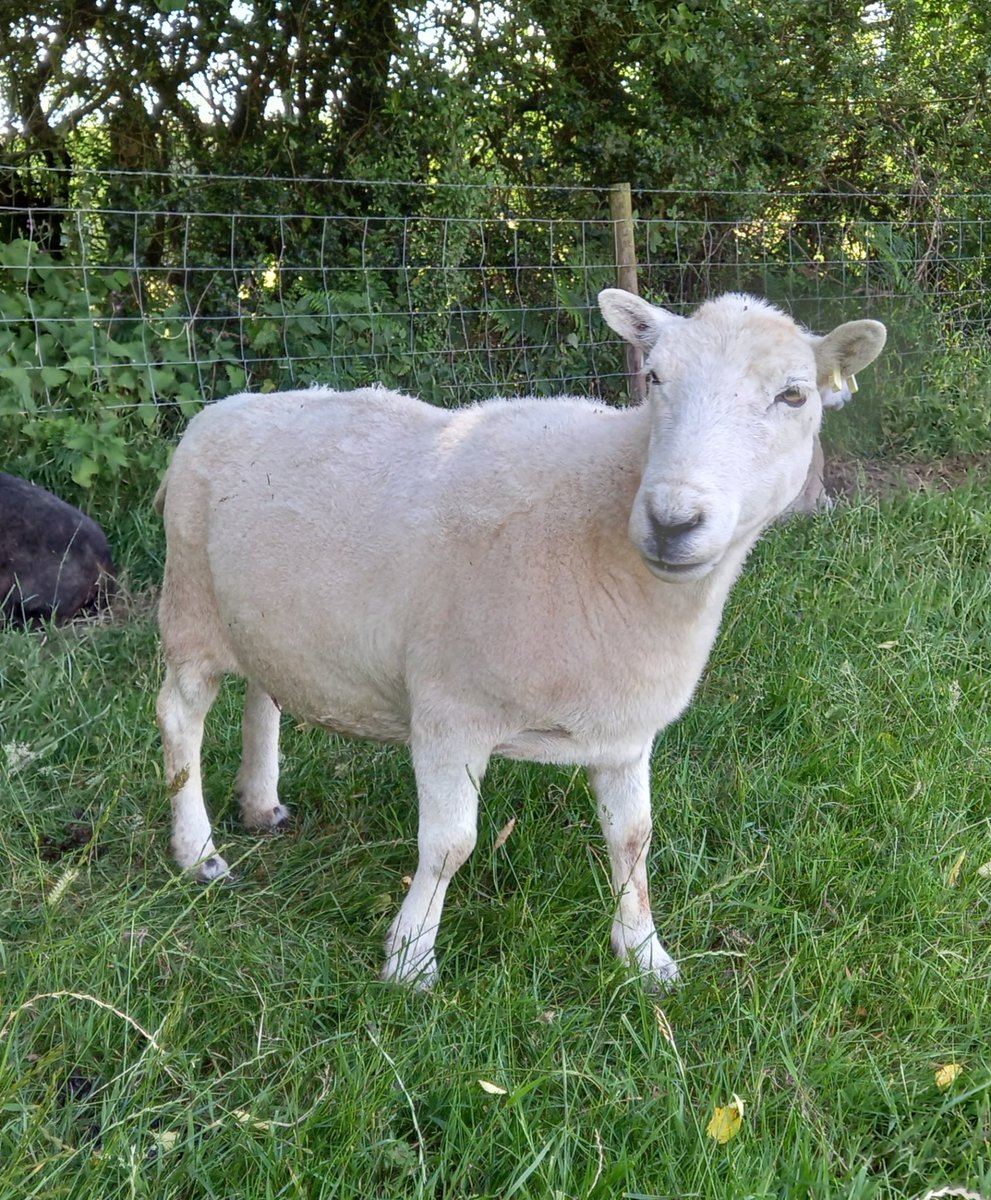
[(810, 811)]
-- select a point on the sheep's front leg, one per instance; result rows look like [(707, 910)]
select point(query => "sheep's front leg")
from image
[(183, 703), (446, 783), (623, 798), (258, 779)]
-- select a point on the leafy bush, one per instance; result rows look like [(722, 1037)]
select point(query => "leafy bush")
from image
[(100, 367), (88, 386)]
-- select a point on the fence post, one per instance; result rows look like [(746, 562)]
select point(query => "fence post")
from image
[(621, 212)]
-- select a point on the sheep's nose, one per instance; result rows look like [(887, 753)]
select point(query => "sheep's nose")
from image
[(669, 536)]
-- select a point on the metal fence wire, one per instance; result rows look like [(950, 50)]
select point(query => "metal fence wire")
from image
[(161, 293)]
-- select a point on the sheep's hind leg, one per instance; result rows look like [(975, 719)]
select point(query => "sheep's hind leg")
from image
[(447, 783), (258, 779), (183, 703), (623, 798)]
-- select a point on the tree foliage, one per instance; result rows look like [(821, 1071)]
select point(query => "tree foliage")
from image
[(848, 127), (697, 94)]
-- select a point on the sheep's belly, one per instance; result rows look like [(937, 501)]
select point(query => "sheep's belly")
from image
[(335, 702), (376, 727), (565, 748), (600, 731), (371, 717), (538, 745)]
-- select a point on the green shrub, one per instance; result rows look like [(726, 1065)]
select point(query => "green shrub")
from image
[(88, 386)]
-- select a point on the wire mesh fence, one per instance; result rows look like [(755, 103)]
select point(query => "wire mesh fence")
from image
[(152, 299)]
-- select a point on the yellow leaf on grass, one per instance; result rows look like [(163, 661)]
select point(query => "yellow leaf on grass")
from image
[(243, 1117), (946, 1074), (726, 1122), (502, 837), (492, 1088), (954, 874)]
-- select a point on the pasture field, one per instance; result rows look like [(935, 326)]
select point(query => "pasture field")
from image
[(822, 829)]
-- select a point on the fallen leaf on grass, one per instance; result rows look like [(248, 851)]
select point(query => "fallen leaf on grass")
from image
[(985, 871), (493, 1089), (726, 1121), (954, 873), (243, 1117), (946, 1074), (502, 837)]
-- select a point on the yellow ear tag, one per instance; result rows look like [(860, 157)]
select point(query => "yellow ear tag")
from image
[(836, 380), (851, 382)]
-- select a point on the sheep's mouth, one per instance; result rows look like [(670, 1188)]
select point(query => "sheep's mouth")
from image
[(678, 572)]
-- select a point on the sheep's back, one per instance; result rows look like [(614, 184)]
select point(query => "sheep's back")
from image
[(296, 516), (364, 552)]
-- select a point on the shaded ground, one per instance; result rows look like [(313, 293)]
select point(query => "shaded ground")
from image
[(851, 477)]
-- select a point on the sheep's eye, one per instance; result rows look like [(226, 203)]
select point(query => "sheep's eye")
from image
[(794, 397), (653, 379)]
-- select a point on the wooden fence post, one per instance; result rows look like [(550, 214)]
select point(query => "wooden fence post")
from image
[(621, 211)]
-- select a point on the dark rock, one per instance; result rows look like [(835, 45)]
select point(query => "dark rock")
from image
[(54, 560)]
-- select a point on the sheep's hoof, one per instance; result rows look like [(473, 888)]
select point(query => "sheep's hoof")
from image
[(661, 979), (213, 868), (419, 976), (651, 962), (422, 980), (267, 820)]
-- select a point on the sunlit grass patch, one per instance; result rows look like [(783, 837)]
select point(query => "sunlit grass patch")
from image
[(821, 825)]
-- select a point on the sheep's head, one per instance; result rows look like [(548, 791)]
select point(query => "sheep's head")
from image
[(736, 393)]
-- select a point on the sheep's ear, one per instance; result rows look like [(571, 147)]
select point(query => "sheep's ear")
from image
[(634, 319), (847, 350)]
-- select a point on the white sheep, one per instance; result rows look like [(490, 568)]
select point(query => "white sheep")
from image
[(538, 579)]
